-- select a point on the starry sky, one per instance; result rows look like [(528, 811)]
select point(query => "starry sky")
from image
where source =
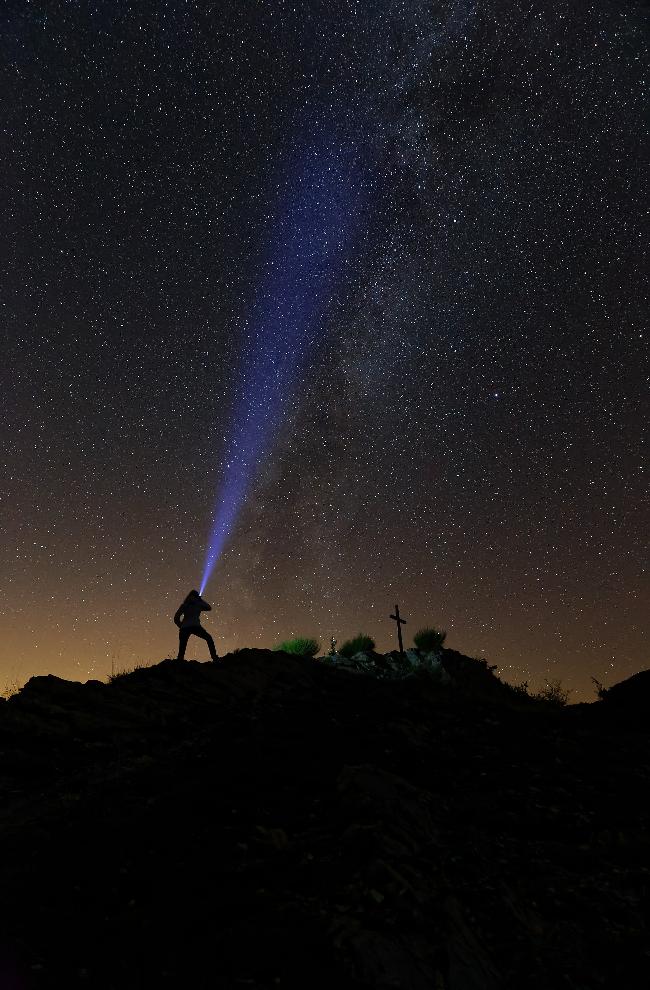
[(466, 436)]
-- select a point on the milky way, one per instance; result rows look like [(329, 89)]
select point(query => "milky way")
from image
[(467, 435)]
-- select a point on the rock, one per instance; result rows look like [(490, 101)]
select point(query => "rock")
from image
[(392, 666)]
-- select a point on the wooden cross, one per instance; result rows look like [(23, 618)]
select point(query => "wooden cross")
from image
[(400, 622)]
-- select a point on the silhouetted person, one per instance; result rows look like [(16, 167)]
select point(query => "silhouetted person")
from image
[(188, 620)]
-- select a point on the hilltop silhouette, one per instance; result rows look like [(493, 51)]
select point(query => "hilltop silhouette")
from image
[(274, 821)]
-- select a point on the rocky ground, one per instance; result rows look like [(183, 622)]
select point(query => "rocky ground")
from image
[(271, 821)]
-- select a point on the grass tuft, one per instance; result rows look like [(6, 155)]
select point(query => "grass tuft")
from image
[(429, 639), (302, 646), (116, 675), (360, 644)]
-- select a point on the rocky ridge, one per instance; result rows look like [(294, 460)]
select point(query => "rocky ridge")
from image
[(271, 821)]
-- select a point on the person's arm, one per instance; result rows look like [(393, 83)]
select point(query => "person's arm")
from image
[(177, 617), (204, 606)]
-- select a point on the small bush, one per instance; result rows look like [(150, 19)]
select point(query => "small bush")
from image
[(360, 644), (302, 646), (430, 639), (10, 689), (553, 693)]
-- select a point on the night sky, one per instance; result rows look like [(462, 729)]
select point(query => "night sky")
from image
[(466, 434)]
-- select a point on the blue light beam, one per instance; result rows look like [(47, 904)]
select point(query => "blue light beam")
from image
[(315, 226)]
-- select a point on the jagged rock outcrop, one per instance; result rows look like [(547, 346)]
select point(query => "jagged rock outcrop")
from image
[(276, 822), (392, 666)]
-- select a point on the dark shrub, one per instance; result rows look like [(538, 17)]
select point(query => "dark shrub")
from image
[(360, 644), (430, 639), (553, 693), (302, 646)]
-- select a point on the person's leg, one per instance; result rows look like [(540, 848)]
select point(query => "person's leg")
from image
[(200, 631), (183, 636), (211, 646)]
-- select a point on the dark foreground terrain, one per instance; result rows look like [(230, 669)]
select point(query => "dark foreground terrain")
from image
[(273, 822)]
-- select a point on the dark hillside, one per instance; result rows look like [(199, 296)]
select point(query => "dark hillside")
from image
[(273, 822)]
